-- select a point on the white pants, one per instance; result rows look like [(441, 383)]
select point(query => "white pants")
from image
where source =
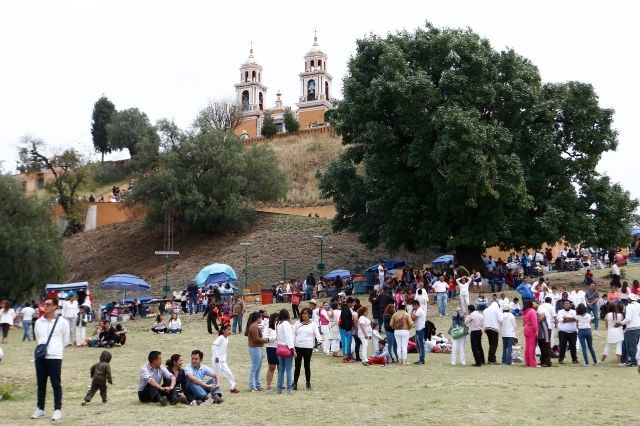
[(364, 346), (80, 335), (223, 370), (324, 329), (607, 348), (72, 326), (402, 342), (464, 302), (334, 345), (457, 350)]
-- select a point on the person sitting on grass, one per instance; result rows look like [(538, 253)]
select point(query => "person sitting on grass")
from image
[(153, 378), (120, 335), (175, 325), (107, 337), (174, 365), (197, 389), (158, 325), (515, 307), (381, 354), (588, 277), (481, 302)]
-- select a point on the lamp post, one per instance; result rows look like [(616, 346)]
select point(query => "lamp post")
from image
[(167, 257), (321, 264), (246, 263)]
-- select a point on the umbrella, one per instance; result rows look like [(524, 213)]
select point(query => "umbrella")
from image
[(444, 259), (216, 273), (332, 275), (124, 282)]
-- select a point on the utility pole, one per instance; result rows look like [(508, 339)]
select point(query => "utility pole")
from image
[(246, 265)]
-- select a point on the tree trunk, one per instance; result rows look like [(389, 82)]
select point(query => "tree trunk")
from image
[(471, 258)]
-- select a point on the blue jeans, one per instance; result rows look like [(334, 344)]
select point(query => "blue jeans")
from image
[(254, 370), (199, 392), (345, 338), (391, 342), (586, 340), (420, 344), (284, 366), (192, 305), (308, 293), (26, 327), (593, 310), (237, 324), (507, 343), (442, 303)]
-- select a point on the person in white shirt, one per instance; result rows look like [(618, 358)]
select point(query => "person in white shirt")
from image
[(615, 334), (304, 332), (219, 357), (364, 333), (508, 332), (325, 321), (441, 287), (381, 273), (567, 332), (419, 317), (463, 288), (492, 319), (7, 316), (502, 301), (615, 274), (423, 297), (50, 367), (70, 311), (27, 313), (583, 319), (175, 324), (632, 330), (578, 296)]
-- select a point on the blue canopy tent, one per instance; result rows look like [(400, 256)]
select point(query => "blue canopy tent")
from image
[(635, 231), (124, 282), (142, 299), (217, 274), (442, 260), (372, 271), (332, 275)]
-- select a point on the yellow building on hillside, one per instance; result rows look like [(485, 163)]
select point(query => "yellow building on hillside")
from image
[(314, 100)]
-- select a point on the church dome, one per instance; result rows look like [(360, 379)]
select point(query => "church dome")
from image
[(251, 60), (315, 48)]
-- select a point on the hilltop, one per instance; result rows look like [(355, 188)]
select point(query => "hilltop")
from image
[(129, 248)]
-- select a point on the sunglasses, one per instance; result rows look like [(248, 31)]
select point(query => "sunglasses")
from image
[(47, 304)]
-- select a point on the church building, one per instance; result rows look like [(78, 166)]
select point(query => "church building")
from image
[(314, 100)]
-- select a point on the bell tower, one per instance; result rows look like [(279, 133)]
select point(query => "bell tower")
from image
[(251, 96), (315, 86)]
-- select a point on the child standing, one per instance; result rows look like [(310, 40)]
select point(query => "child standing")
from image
[(81, 326), (100, 375), (219, 355), (375, 336)]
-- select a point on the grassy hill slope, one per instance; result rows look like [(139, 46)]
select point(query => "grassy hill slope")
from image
[(129, 248)]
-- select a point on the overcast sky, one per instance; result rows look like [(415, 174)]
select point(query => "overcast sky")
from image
[(168, 58)]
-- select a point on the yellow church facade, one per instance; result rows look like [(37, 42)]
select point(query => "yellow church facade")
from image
[(314, 100)]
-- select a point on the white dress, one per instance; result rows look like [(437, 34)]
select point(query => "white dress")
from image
[(614, 334)]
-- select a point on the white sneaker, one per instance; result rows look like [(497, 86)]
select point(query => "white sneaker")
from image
[(57, 415), (39, 414)]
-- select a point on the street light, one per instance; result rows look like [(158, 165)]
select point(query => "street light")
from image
[(167, 257), (246, 262), (320, 265)]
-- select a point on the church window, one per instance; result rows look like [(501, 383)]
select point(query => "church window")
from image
[(253, 76), (320, 63), (312, 64), (246, 76), (260, 102), (245, 100), (311, 90), (326, 90)]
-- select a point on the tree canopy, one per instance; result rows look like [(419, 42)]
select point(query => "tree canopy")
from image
[(102, 112), (69, 174), (129, 128), (269, 127), (290, 122), (452, 144), (30, 246), (209, 180), (219, 114)]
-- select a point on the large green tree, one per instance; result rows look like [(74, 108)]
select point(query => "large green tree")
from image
[(69, 174), (210, 181), (290, 122), (30, 246), (129, 128), (269, 127), (452, 144), (102, 112)]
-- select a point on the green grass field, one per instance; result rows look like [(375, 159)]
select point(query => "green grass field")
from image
[(432, 393)]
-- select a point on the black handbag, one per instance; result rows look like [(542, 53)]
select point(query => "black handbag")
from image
[(41, 350)]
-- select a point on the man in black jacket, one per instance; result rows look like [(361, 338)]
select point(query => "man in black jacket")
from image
[(346, 329)]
